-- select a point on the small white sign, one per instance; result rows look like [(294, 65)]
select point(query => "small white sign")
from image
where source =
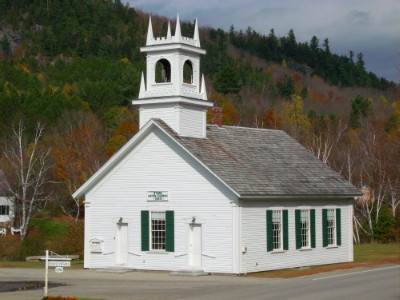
[(157, 196), (95, 247), (61, 263), (59, 269)]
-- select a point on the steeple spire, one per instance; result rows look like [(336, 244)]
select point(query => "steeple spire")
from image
[(142, 87), (169, 30), (203, 90), (178, 29), (196, 34), (150, 35)]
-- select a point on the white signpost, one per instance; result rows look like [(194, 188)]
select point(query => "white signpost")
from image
[(58, 262)]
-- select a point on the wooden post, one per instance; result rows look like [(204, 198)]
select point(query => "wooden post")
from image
[(46, 273)]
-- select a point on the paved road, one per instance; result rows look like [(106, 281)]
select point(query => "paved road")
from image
[(377, 283)]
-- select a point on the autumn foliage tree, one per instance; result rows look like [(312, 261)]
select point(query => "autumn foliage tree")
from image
[(78, 155), (121, 135), (294, 120), (230, 115)]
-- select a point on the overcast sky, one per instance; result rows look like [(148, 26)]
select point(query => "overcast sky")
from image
[(368, 26)]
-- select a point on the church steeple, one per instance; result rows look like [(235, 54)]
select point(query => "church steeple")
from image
[(174, 89), (178, 33), (150, 35)]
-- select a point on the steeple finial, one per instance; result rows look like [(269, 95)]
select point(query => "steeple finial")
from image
[(142, 87), (169, 30), (196, 34), (150, 35), (178, 29), (203, 90)]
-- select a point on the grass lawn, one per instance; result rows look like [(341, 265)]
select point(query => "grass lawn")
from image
[(364, 256)]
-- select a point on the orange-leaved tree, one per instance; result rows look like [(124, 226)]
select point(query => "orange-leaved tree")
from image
[(78, 153), (121, 135)]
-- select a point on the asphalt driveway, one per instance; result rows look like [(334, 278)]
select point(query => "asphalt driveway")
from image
[(381, 282)]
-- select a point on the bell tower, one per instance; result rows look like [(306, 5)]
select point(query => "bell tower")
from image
[(174, 90)]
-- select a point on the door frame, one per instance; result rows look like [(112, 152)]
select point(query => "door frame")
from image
[(121, 258), (191, 240)]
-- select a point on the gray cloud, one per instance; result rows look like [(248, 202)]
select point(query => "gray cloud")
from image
[(360, 18)]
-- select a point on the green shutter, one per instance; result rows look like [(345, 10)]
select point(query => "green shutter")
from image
[(338, 227), (169, 231), (312, 223), (270, 245), (285, 230), (145, 230), (298, 228), (325, 227)]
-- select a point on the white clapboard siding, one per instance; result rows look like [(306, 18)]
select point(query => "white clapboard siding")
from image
[(192, 121), (157, 164), (254, 236), (166, 112)]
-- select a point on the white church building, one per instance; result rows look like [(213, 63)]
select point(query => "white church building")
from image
[(183, 195)]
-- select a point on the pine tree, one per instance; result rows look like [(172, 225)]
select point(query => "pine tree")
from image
[(227, 81), (5, 46)]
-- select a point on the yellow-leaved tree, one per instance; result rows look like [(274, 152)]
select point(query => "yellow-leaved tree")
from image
[(293, 119)]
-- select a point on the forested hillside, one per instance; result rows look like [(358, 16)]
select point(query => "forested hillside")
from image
[(74, 67)]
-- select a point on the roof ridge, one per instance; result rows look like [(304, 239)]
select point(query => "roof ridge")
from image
[(243, 127)]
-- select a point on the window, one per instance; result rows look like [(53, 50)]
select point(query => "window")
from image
[(305, 228), (157, 231), (331, 227), (4, 210), (277, 229), (163, 71)]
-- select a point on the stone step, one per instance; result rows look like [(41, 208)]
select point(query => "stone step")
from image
[(189, 272), (119, 270)]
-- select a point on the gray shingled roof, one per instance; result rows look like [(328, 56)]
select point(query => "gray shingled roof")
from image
[(264, 162)]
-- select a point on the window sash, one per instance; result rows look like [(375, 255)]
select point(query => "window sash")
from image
[(331, 227), (157, 231), (277, 229), (305, 228)]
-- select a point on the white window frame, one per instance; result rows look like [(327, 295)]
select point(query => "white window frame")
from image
[(308, 232), (280, 237), (161, 241), (331, 228)]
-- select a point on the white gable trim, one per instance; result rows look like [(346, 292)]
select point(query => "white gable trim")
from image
[(125, 150)]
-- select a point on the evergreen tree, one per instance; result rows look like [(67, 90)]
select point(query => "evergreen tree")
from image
[(361, 108), (5, 46), (227, 81)]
